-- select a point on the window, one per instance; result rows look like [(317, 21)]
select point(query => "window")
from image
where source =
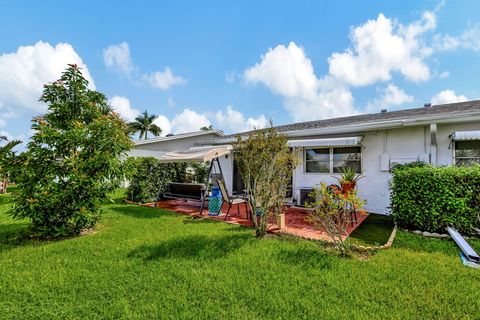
[(332, 160), (467, 152), (317, 160)]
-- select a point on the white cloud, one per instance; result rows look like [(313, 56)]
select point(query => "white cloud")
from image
[(259, 122), (5, 114), (123, 107), (24, 72), (468, 39), (381, 47), (164, 124), (117, 57), (287, 71), (163, 79), (189, 120), (444, 75), (447, 96), (390, 96), (445, 42), (234, 121)]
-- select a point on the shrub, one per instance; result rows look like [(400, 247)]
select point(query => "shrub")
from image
[(73, 158), (432, 198), (413, 164), (266, 164), (147, 175), (332, 212)]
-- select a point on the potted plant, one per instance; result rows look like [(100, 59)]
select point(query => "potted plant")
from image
[(348, 179)]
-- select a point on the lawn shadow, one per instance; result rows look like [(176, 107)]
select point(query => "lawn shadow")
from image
[(13, 235), (375, 230), (5, 199), (198, 247), (140, 212), (306, 257)]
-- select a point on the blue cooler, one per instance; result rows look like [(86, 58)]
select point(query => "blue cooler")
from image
[(216, 192), (215, 202)]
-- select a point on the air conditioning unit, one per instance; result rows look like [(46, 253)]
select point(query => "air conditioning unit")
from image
[(305, 196)]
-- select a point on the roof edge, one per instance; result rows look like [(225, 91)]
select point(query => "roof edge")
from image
[(185, 135)]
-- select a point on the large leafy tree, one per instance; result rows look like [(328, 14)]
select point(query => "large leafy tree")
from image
[(6, 158), (73, 159), (144, 124)]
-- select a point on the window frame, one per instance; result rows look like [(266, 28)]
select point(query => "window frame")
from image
[(330, 161), (455, 158)]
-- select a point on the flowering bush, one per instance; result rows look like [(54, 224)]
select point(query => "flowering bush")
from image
[(332, 212)]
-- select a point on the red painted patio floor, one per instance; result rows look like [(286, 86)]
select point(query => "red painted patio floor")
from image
[(295, 218)]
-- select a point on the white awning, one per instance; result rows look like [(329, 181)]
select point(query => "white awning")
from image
[(465, 135), (328, 142), (200, 154)]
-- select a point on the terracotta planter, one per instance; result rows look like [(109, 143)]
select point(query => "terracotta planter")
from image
[(348, 186)]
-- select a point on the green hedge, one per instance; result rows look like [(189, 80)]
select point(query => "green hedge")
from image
[(147, 175), (431, 198)]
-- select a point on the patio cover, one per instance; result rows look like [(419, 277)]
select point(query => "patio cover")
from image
[(195, 154), (327, 142), (465, 135)]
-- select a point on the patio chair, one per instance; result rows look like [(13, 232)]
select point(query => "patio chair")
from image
[(235, 200)]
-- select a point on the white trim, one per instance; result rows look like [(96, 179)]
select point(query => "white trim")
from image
[(327, 142), (466, 135), (330, 161), (178, 136)]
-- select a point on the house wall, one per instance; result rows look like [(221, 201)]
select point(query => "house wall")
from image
[(398, 145), (445, 153)]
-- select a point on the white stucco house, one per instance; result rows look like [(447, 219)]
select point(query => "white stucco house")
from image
[(441, 135), (156, 147)]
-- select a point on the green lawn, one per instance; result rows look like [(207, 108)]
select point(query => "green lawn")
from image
[(148, 263), (374, 231)]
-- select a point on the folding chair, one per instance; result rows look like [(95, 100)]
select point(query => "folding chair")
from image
[(231, 200)]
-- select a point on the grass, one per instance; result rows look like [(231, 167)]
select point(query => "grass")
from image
[(375, 230), (149, 263)]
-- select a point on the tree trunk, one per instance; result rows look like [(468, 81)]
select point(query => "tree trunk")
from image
[(3, 186)]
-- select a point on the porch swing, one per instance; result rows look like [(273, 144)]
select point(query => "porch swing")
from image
[(192, 191)]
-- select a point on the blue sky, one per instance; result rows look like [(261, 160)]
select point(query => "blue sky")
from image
[(237, 64)]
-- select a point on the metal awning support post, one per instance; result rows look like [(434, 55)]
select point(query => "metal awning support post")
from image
[(464, 246), (206, 186), (212, 167)]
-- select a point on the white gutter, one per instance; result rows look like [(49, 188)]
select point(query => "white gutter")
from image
[(372, 126)]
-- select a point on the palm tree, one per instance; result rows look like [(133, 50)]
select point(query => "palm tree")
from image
[(5, 154), (144, 124), (210, 127)]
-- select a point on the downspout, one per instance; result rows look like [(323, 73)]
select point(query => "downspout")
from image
[(433, 144)]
